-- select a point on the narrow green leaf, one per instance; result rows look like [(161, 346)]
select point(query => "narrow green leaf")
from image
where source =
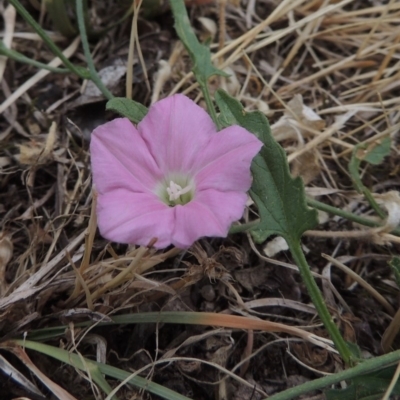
[(199, 53), (370, 366), (81, 13), (84, 364), (60, 12), (366, 387), (100, 380), (395, 265), (4, 51), (373, 154), (355, 350), (354, 165), (279, 197), (127, 108), (352, 392)]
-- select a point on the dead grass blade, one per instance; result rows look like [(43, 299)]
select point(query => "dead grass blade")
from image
[(57, 390), (19, 378), (373, 292)]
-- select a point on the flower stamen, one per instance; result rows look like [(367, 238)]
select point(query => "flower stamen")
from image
[(175, 191)]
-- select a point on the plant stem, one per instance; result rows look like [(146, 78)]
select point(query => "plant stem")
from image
[(374, 205), (15, 55), (318, 301), (348, 215), (200, 55), (207, 98), (365, 367), (81, 72), (85, 44), (244, 227), (323, 207), (87, 365)]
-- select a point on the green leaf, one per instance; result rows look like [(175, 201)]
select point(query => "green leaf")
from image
[(395, 265), (60, 13), (199, 53), (355, 350), (127, 108), (366, 387), (281, 203), (373, 154), (280, 198), (99, 378), (376, 154)]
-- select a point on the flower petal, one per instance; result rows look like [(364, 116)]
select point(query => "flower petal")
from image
[(134, 218), (210, 214), (121, 159), (176, 129), (225, 163), (175, 137)]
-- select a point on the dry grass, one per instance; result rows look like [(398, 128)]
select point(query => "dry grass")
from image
[(340, 59)]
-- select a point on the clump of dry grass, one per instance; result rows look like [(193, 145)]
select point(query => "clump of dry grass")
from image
[(326, 74)]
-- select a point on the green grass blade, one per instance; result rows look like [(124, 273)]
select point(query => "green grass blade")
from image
[(83, 364), (368, 366), (100, 380), (58, 12), (395, 266)]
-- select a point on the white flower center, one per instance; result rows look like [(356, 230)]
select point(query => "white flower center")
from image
[(175, 191)]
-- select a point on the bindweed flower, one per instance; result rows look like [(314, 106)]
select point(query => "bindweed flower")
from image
[(173, 177)]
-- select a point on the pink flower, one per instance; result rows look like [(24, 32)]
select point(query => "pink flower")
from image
[(174, 177)]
